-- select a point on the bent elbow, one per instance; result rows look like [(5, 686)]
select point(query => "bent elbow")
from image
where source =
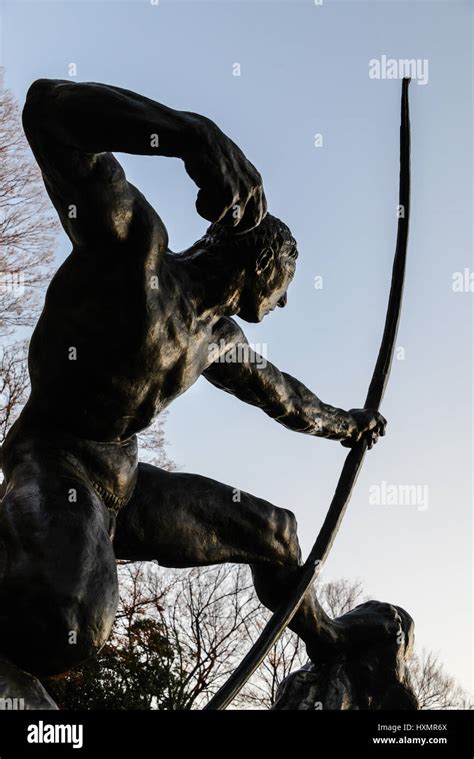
[(38, 95)]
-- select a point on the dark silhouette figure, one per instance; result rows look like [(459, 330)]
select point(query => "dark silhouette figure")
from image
[(127, 327)]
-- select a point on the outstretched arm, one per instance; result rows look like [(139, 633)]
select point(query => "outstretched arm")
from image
[(73, 128), (239, 370)]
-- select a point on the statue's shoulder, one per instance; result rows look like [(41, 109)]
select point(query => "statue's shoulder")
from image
[(227, 329)]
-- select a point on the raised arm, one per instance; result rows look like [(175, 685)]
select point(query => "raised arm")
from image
[(239, 370), (73, 128)]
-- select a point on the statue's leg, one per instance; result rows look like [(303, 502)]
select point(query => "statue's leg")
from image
[(185, 520), (20, 690), (58, 580)]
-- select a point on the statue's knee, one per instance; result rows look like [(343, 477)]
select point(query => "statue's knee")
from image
[(285, 534), (77, 631), (58, 581), (51, 632)]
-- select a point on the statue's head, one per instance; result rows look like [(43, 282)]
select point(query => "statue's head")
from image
[(267, 260)]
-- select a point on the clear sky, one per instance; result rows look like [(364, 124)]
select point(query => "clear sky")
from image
[(304, 69)]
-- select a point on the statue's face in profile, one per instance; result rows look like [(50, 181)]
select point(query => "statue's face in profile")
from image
[(266, 287)]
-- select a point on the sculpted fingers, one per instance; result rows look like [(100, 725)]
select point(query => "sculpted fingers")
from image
[(214, 203), (370, 425), (230, 187), (378, 426), (243, 207), (212, 200), (254, 211)]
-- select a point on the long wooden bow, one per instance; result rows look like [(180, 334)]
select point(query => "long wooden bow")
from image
[(312, 566)]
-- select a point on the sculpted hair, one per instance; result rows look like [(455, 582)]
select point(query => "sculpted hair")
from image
[(271, 233)]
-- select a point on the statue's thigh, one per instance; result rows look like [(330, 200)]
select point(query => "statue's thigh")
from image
[(185, 520), (58, 579)]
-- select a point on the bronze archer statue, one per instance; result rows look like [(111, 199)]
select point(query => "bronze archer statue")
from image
[(127, 327)]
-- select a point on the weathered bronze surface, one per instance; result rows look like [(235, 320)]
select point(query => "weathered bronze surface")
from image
[(127, 327)]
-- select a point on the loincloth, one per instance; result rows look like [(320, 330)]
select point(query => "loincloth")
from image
[(110, 467)]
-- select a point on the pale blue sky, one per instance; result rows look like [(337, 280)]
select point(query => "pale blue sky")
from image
[(304, 69)]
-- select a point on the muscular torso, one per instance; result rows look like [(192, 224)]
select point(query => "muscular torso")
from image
[(112, 348), (124, 328), (118, 338)]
